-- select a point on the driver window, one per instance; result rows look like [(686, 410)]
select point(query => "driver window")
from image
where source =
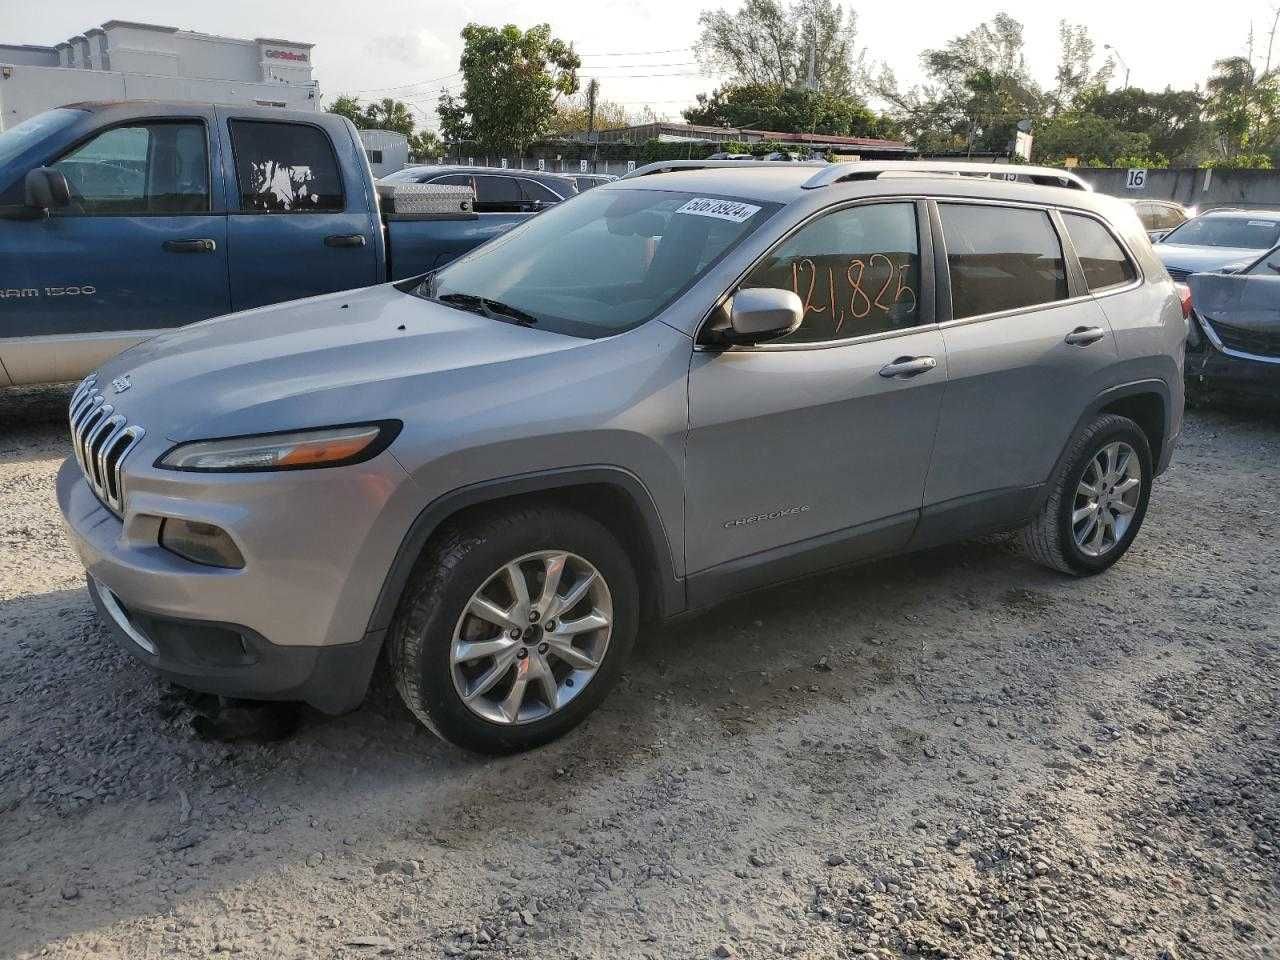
[(151, 168), (857, 272)]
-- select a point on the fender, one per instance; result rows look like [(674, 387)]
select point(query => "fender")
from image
[(1106, 398), (671, 593)]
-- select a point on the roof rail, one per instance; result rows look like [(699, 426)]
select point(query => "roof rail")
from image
[(671, 166), (872, 169)]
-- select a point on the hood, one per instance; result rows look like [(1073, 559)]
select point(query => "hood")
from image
[(339, 358), (1198, 259)]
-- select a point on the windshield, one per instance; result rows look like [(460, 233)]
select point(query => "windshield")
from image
[(1240, 232), (18, 138), (600, 263)]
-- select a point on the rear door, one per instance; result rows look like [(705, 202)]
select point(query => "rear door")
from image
[(300, 222), (1028, 348), (141, 248)]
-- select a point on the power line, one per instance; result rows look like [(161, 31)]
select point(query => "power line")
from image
[(635, 53), (403, 86)]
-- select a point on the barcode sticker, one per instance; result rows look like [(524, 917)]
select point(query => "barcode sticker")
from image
[(731, 210)]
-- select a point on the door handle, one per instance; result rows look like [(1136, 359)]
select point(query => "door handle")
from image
[(1083, 336), (345, 240), (905, 367), (190, 246)]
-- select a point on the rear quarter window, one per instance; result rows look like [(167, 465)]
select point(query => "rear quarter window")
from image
[(1104, 261)]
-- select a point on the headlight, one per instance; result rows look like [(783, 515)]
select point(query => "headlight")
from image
[(300, 450)]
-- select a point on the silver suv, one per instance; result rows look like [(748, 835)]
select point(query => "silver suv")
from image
[(697, 381)]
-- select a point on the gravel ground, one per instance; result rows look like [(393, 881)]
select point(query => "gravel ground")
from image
[(954, 754)]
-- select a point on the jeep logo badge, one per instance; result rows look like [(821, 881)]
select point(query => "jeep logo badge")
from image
[(121, 384)]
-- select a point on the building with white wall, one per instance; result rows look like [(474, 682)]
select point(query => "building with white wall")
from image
[(122, 60), (387, 151)]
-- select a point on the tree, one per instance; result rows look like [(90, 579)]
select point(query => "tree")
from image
[(511, 81), (788, 111), (389, 114), (979, 89), (571, 116), (1171, 119), (767, 44), (1076, 78), (1089, 138), (424, 145), (349, 107), (1243, 105)]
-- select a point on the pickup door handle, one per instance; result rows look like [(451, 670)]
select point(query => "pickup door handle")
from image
[(1083, 336), (190, 246), (905, 367), (345, 240)]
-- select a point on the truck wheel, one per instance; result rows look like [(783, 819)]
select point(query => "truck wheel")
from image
[(514, 627), (1097, 501)]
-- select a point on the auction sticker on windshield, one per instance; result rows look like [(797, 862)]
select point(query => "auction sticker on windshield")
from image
[(731, 210)]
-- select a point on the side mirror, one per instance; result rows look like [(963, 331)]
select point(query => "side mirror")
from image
[(1158, 235), (46, 189), (760, 314)]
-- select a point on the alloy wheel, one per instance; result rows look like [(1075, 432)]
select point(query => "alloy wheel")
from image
[(1106, 499), (532, 637)]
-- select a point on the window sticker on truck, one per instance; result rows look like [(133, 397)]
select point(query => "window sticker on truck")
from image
[(730, 210)]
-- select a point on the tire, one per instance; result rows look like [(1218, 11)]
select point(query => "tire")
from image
[(435, 620), (1051, 538)]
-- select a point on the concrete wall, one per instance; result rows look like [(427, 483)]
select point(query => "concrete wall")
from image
[(1203, 189)]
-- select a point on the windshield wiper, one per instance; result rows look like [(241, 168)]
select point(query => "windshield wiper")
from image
[(493, 309)]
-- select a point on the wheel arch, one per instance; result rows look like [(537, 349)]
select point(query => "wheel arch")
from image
[(1149, 403), (613, 496)]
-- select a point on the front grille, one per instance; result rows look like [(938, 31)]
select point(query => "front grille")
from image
[(101, 439), (1260, 343), (1179, 275)]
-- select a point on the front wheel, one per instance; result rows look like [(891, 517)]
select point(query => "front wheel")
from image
[(515, 628), (1097, 501)]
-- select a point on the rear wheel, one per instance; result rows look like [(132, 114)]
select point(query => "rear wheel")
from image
[(514, 628), (1097, 501)]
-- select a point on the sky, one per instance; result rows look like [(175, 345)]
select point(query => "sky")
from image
[(641, 51)]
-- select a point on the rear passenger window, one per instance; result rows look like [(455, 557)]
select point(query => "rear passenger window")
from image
[(857, 272), (285, 168), (535, 192), (497, 194), (1104, 262), (1001, 258), (452, 180)]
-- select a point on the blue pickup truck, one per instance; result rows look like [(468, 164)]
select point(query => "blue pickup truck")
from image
[(120, 220)]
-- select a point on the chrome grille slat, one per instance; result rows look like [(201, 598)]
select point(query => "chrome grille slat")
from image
[(101, 439)]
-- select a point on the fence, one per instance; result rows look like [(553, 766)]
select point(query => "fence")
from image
[(549, 165), (1202, 189)]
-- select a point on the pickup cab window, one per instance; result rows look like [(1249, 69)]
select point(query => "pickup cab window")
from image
[(285, 168), (145, 168)]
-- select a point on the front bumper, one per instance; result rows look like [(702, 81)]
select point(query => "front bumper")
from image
[(1210, 367), (234, 661), (292, 625)]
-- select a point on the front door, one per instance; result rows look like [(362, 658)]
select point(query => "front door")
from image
[(141, 248), (813, 450), (299, 223)]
